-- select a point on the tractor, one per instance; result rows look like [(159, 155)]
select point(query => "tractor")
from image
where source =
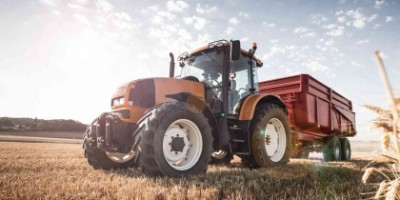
[(208, 113)]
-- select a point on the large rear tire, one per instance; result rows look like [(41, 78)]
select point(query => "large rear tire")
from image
[(346, 148), (99, 159), (176, 140), (332, 150), (270, 138)]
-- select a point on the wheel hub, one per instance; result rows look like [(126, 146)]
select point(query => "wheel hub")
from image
[(177, 144)]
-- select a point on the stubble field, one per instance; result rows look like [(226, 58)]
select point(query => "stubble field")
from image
[(60, 171)]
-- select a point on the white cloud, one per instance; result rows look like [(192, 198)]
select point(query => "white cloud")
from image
[(245, 39), (81, 1), (329, 42), (341, 19), (154, 8), (300, 30), (270, 25), (50, 3), (124, 21), (81, 18), (243, 14), (234, 21), (318, 19), (389, 18), (76, 6), (229, 30), (56, 12), (104, 5), (273, 41), (339, 12), (363, 41), (304, 32), (359, 23), (161, 16), (334, 30), (376, 26), (309, 34), (378, 3), (205, 8), (184, 35), (273, 51), (197, 22), (177, 6), (359, 19), (315, 66)]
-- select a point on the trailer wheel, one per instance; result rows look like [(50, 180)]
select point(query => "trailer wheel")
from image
[(99, 159), (332, 150), (270, 138), (221, 158), (175, 141), (346, 148)]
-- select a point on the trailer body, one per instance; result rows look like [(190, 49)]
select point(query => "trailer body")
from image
[(315, 111)]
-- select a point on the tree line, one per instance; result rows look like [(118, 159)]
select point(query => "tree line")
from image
[(29, 124)]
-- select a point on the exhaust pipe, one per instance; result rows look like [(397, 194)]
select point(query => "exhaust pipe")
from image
[(171, 66)]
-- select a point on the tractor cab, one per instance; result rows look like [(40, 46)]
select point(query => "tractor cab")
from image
[(226, 76)]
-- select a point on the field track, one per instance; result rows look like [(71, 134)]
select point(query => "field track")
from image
[(51, 169)]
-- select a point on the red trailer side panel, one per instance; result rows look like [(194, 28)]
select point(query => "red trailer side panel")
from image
[(315, 110)]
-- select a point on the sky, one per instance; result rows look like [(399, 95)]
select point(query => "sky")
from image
[(63, 59)]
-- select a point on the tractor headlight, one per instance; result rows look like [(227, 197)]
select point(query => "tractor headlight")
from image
[(118, 101)]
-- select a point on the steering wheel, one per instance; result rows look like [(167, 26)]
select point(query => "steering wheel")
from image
[(210, 82)]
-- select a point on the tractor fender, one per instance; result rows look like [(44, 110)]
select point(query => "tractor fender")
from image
[(251, 102), (198, 105)]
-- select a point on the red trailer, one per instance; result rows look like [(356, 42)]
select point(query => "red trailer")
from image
[(316, 113)]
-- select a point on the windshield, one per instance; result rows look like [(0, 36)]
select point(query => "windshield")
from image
[(205, 66)]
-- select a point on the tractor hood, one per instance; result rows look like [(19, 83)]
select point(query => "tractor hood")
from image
[(147, 93)]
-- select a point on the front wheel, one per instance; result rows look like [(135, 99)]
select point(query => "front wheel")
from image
[(270, 138), (176, 140)]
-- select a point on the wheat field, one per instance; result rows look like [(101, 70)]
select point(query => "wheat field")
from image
[(60, 171)]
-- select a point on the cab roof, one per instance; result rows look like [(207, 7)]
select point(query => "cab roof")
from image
[(244, 52)]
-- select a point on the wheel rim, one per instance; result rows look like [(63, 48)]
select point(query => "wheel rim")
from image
[(275, 140), (121, 157), (182, 144), (219, 154)]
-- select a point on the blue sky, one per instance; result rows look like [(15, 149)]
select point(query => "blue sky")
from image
[(63, 59)]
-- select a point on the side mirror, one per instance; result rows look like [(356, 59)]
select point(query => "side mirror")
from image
[(235, 49)]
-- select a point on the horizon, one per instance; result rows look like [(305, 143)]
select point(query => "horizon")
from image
[(64, 59)]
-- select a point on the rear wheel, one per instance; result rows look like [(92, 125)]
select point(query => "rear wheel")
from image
[(175, 141), (270, 140), (332, 150), (346, 148)]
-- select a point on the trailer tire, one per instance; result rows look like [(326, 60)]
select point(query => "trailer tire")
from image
[(332, 150), (271, 118), (221, 158), (99, 159), (346, 148), (165, 137)]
